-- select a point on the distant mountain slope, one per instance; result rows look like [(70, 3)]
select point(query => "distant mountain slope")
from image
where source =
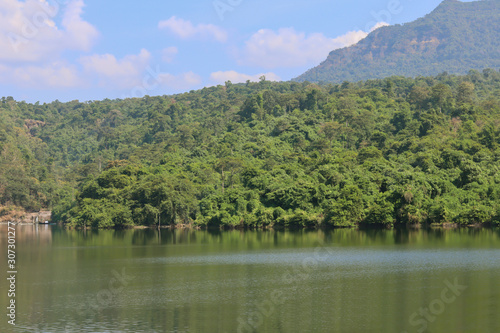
[(455, 37)]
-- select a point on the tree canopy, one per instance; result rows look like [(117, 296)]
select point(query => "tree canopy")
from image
[(266, 154)]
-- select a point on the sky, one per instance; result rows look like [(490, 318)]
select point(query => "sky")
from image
[(93, 49)]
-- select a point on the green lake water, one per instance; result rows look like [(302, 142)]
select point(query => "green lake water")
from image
[(254, 281)]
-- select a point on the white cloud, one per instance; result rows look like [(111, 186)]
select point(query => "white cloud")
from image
[(235, 77), (122, 73), (289, 48), (379, 25), (168, 54), (179, 82), (80, 34), (185, 29), (53, 75), (32, 46), (28, 32)]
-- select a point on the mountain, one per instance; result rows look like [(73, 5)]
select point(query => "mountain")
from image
[(455, 37)]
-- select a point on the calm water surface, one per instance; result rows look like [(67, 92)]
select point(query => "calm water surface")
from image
[(254, 281)]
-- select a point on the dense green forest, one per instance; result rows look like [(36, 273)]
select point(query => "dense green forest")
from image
[(456, 37), (378, 152)]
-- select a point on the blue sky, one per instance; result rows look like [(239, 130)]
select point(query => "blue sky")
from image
[(94, 49)]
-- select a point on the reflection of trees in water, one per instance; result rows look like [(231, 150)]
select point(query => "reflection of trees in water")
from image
[(29, 233), (34, 235)]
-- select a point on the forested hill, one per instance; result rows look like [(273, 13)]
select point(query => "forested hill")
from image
[(287, 154), (455, 37)]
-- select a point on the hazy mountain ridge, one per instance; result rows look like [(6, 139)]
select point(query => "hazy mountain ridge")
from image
[(455, 37)]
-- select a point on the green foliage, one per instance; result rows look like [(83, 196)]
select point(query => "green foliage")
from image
[(291, 155), (381, 211)]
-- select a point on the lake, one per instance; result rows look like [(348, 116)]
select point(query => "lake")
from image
[(346, 280)]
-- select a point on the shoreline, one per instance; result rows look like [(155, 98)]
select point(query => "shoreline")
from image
[(277, 228)]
